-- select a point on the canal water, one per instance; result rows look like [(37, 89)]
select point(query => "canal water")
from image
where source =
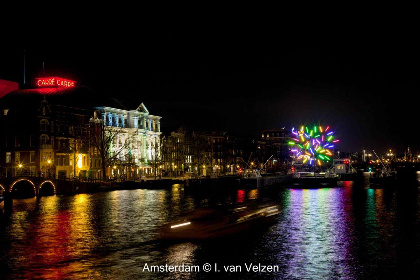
[(348, 232)]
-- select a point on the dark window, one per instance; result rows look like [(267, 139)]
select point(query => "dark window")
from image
[(43, 125), (32, 156), (17, 141), (31, 141)]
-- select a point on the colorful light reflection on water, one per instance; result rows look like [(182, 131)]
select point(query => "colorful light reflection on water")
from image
[(331, 233), (318, 228)]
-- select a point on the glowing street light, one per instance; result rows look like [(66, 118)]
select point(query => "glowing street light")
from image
[(20, 168), (49, 168)]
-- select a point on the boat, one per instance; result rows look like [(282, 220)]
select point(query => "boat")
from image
[(383, 180), (314, 180), (220, 221)]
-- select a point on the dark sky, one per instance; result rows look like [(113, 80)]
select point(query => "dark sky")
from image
[(362, 82)]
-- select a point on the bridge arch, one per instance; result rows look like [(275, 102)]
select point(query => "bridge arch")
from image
[(24, 190), (46, 188)]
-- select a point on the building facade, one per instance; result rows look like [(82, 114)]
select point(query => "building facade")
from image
[(134, 139), (272, 151), (197, 154), (47, 131)]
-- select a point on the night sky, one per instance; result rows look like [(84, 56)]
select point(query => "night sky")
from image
[(361, 82)]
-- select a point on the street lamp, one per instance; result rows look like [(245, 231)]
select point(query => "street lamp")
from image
[(20, 169), (49, 166), (113, 171)]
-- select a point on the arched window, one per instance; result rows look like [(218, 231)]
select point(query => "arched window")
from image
[(43, 125), (44, 139)]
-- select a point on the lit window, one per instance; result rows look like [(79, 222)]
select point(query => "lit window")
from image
[(116, 119)]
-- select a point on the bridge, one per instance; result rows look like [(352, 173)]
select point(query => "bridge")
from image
[(27, 186)]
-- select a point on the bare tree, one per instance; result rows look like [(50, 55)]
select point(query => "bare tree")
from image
[(109, 143), (157, 155)]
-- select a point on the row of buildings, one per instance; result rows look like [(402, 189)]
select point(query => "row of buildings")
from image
[(59, 129)]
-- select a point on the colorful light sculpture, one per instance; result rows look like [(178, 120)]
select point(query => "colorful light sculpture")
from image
[(313, 145)]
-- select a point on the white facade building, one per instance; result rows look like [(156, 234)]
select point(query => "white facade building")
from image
[(137, 139)]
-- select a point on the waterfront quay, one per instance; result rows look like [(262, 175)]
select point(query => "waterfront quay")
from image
[(40, 186)]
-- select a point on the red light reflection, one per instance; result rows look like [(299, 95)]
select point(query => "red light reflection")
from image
[(240, 196)]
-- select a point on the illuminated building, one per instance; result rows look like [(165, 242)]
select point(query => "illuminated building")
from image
[(271, 149), (200, 153), (136, 144), (46, 132), (42, 133)]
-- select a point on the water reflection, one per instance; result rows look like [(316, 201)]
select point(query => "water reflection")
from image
[(331, 233), (318, 234), (241, 196), (179, 255), (253, 194), (246, 195)]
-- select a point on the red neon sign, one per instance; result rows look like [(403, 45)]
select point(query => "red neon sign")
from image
[(54, 82)]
